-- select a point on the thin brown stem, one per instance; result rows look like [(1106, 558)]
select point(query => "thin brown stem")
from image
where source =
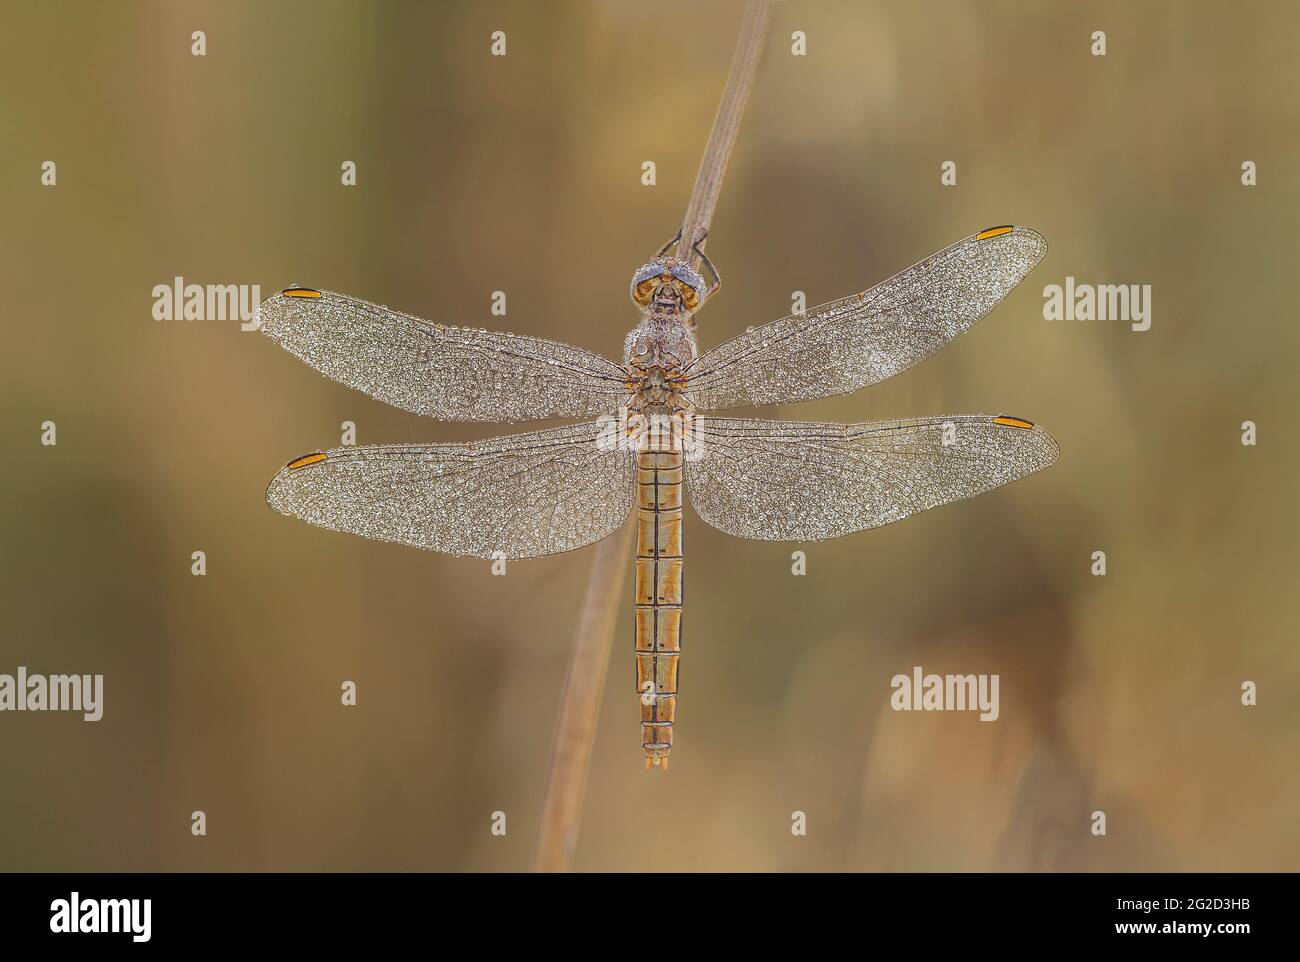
[(726, 124), (575, 729)]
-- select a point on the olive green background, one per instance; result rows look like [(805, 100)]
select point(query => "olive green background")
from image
[(522, 174)]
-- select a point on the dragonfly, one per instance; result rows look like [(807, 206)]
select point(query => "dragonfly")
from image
[(646, 431)]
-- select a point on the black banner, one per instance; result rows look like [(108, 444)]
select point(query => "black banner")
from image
[(235, 910)]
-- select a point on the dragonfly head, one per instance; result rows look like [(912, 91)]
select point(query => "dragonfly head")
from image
[(668, 285)]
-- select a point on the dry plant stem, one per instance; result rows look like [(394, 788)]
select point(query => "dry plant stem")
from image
[(575, 729), (726, 124), (584, 684)]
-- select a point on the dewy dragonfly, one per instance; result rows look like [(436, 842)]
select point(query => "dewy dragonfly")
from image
[(645, 434)]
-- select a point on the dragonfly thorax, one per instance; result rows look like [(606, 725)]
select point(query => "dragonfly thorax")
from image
[(658, 391), (663, 339), (657, 352)]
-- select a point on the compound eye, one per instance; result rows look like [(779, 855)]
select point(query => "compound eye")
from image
[(691, 284), (644, 291)]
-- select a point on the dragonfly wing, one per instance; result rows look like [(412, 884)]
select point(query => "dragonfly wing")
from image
[(807, 481), (451, 373), (522, 495), (863, 339)]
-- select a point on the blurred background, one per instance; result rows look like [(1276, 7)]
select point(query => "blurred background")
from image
[(522, 173)]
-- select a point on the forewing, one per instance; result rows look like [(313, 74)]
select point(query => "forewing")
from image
[(451, 373), (523, 495), (863, 339), (807, 481)]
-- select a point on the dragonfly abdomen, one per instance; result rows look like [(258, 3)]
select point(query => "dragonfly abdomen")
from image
[(658, 598)]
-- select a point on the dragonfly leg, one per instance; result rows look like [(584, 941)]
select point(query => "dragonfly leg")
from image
[(715, 279), (671, 244)]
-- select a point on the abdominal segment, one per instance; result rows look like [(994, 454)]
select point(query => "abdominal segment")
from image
[(658, 598)]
